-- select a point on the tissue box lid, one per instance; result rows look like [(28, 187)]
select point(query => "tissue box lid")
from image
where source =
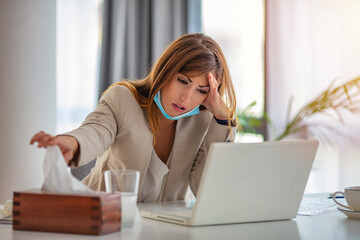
[(93, 214)]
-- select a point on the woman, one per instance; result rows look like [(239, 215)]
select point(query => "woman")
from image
[(162, 125)]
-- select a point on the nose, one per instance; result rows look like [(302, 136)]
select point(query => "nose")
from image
[(185, 96)]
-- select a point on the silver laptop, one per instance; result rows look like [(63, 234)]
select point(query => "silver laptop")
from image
[(244, 182)]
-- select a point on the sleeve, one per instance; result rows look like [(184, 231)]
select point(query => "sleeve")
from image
[(216, 133), (97, 133)]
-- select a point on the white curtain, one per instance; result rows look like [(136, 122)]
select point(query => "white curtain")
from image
[(309, 44)]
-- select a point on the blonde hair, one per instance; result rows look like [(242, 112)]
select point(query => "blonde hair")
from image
[(191, 53)]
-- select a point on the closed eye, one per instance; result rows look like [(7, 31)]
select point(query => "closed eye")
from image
[(203, 92), (182, 81)]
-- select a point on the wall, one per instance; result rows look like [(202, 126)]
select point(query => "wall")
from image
[(27, 90)]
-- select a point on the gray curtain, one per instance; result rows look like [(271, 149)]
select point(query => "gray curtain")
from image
[(136, 32)]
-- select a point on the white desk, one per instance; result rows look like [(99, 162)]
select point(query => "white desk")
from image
[(329, 226)]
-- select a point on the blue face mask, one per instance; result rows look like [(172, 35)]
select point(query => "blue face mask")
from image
[(157, 100)]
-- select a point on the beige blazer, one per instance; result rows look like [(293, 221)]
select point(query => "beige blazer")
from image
[(119, 134)]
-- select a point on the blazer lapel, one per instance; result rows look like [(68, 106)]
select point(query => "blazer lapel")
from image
[(188, 137), (145, 150)]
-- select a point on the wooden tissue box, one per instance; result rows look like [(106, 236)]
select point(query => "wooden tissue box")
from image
[(93, 214)]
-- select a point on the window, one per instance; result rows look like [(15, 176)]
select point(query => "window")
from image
[(238, 26), (310, 44), (78, 31)]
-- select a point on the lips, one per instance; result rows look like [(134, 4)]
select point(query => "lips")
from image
[(178, 107)]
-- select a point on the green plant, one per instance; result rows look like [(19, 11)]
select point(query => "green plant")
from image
[(248, 121), (345, 97)]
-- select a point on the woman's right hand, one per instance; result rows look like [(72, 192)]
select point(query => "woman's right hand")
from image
[(68, 145)]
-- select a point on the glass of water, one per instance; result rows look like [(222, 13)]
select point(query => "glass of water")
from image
[(127, 183)]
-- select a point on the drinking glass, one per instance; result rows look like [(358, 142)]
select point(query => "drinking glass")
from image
[(127, 183)]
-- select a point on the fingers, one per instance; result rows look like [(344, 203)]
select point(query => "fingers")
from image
[(215, 103), (63, 142), (42, 138), (213, 84), (35, 137), (213, 87)]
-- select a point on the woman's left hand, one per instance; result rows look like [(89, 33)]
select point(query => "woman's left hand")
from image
[(214, 102)]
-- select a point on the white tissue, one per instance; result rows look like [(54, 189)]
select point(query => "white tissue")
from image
[(6, 212), (57, 177)]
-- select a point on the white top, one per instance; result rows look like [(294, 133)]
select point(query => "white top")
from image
[(155, 179)]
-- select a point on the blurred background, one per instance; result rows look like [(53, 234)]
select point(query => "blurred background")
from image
[(57, 57)]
